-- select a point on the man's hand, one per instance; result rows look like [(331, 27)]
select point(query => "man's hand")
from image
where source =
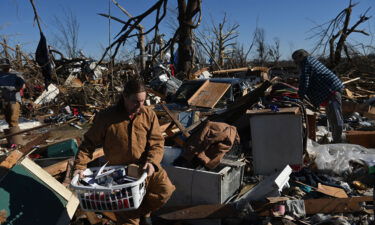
[(149, 168), (80, 172)]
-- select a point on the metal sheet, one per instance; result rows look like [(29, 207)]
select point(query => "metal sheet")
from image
[(276, 142)]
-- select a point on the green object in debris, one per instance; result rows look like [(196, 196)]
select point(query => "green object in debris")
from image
[(305, 188), (371, 170), (28, 200), (63, 149)]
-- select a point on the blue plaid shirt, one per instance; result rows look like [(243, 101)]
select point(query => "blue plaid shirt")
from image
[(10, 86), (317, 82)]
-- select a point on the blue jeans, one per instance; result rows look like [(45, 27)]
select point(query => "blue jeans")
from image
[(334, 115)]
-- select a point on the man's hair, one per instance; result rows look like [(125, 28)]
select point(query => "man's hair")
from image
[(300, 54), (134, 86)]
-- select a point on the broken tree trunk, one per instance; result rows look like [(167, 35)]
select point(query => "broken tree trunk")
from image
[(141, 36), (5, 49), (186, 11), (243, 69)]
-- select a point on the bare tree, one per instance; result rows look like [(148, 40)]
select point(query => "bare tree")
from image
[(261, 46), (274, 50), (67, 34), (206, 42), (218, 40), (187, 11), (224, 36), (334, 33), (127, 31), (141, 36), (239, 55)]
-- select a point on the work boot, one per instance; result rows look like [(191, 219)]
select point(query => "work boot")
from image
[(145, 220)]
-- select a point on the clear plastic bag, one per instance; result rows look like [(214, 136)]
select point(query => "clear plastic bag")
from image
[(336, 158)]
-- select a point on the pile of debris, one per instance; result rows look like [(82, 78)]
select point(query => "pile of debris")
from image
[(240, 148)]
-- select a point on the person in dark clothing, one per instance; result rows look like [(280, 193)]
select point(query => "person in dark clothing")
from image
[(322, 87), (11, 84)]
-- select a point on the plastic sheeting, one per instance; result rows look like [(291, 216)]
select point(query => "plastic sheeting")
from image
[(23, 124), (336, 158), (47, 95)]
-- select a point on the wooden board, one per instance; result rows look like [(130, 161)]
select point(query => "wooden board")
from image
[(327, 190), (16, 155), (330, 205), (352, 80), (332, 191), (242, 69), (289, 110), (175, 120), (200, 212), (208, 94), (363, 138), (312, 206), (335, 205)]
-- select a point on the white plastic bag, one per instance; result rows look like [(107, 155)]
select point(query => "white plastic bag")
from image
[(335, 158)]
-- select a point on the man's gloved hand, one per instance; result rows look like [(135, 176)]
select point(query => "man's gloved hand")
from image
[(149, 168), (80, 172)]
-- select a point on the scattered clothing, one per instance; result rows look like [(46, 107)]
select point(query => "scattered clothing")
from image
[(209, 144)]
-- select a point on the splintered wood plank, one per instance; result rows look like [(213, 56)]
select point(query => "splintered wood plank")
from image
[(352, 80), (349, 93), (327, 190), (336, 205), (11, 159), (213, 211), (330, 205), (208, 94), (176, 121), (16, 155), (332, 191)]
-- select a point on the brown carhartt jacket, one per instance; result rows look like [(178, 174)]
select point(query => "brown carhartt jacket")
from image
[(124, 141), (210, 143)]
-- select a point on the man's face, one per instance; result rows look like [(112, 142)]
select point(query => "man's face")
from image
[(134, 102)]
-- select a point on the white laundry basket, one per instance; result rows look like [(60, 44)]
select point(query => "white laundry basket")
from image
[(116, 198)]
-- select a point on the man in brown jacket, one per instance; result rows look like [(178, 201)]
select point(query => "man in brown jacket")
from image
[(129, 133)]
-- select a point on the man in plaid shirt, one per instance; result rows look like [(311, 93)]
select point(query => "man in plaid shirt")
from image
[(322, 87)]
